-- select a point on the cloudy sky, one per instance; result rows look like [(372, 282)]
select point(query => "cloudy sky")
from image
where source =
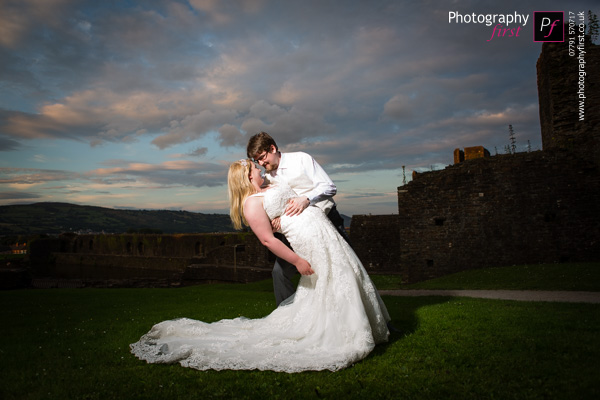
[(143, 104)]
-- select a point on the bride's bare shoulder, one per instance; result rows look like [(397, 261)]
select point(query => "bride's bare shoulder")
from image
[(253, 200)]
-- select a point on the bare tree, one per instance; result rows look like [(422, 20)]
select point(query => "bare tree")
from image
[(513, 141), (593, 26)]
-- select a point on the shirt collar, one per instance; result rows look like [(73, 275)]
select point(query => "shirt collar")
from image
[(282, 164)]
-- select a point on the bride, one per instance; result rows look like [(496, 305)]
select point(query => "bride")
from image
[(334, 319)]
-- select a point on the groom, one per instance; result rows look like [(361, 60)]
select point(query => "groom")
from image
[(313, 187)]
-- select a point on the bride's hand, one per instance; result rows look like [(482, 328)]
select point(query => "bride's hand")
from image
[(304, 267), (276, 224)]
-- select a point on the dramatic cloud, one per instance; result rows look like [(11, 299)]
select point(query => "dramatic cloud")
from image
[(362, 86), (18, 196), (8, 144), (167, 174), (30, 176), (199, 151)]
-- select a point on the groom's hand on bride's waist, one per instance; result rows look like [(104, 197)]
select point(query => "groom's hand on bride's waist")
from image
[(296, 205)]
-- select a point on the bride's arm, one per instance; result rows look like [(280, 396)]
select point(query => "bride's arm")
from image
[(261, 226)]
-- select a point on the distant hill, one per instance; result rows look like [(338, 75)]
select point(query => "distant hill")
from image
[(54, 218)]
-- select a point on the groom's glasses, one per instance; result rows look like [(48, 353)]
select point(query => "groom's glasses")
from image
[(261, 157)]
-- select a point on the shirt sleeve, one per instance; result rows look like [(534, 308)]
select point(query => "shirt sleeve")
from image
[(324, 188)]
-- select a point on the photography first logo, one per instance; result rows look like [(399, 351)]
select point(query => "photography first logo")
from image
[(498, 20), (548, 26)]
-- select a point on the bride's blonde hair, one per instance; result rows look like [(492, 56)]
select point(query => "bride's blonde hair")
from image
[(239, 188)]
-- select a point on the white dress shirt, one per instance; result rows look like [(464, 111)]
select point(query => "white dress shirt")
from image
[(306, 177)]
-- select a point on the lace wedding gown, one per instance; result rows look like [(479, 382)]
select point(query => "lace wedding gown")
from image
[(334, 320)]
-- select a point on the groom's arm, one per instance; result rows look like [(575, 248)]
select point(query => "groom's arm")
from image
[(323, 186)]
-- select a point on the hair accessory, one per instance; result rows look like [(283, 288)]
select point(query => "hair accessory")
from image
[(243, 162)]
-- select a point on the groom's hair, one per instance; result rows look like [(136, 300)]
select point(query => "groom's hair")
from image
[(259, 143)]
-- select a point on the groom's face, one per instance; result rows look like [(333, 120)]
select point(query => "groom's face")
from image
[(269, 160)]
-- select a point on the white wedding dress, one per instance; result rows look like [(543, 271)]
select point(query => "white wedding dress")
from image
[(334, 320)]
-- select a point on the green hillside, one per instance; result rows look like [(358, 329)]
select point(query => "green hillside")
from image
[(53, 218)]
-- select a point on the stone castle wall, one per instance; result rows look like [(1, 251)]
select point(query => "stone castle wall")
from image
[(375, 240), (525, 208), (134, 258), (242, 249), (512, 209)]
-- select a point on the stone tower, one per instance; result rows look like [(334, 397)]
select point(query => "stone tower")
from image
[(569, 77)]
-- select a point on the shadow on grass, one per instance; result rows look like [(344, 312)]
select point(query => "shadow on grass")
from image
[(403, 312)]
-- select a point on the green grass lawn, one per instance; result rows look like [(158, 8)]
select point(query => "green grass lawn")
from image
[(73, 344), (572, 276)]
